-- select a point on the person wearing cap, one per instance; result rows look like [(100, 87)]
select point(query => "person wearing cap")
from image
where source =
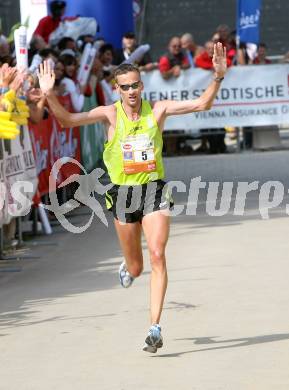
[(129, 45), (49, 23)]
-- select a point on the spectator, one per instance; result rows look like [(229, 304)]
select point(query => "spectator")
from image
[(44, 54), (106, 58), (285, 59), (105, 55), (204, 60), (37, 43), (191, 48), (83, 40), (232, 49), (261, 55), (259, 60), (4, 46), (223, 31), (129, 45), (50, 23), (174, 60), (99, 42), (59, 88), (95, 81), (66, 43), (243, 57), (228, 39), (49, 53), (75, 91), (7, 60)]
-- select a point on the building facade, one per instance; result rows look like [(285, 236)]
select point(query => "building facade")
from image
[(161, 19)]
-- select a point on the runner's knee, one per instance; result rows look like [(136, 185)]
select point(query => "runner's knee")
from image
[(157, 256), (135, 269)]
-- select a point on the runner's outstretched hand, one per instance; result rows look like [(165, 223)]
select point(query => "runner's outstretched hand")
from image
[(220, 59), (46, 77)]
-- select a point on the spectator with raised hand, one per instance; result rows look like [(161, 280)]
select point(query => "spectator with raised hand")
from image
[(171, 64), (7, 75), (190, 47), (49, 23), (261, 58)]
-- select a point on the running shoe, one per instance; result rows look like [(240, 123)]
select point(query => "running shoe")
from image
[(125, 277), (154, 339)]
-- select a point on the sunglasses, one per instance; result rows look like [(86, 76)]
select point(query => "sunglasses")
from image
[(126, 87)]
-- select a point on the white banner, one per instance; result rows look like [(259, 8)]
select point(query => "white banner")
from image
[(35, 10), (253, 95), (17, 164)]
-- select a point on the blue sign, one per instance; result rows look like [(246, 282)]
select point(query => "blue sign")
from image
[(114, 17), (248, 20)]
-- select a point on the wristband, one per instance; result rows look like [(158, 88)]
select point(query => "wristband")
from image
[(219, 79), (3, 90)]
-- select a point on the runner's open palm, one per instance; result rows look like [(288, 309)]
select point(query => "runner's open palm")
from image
[(220, 59), (46, 77)]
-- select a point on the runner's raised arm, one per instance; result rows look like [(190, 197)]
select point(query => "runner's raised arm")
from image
[(46, 78), (205, 101)]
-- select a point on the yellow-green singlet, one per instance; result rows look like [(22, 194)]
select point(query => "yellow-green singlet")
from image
[(134, 155)]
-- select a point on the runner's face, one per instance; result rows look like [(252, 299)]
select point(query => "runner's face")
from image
[(131, 97)]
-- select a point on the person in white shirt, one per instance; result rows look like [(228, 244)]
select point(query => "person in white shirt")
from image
[(69, 81)]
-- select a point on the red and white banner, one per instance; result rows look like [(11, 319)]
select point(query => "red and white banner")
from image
[(50, 143)]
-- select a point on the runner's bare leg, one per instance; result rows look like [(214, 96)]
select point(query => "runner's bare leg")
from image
[(156, 229), (129, 236)]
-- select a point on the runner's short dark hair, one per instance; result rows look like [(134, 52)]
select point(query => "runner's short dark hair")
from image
[(124, 69)]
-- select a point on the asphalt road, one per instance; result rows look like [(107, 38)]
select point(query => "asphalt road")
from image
[(65, 322)]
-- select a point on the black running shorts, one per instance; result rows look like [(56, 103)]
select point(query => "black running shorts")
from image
[(131, 203)]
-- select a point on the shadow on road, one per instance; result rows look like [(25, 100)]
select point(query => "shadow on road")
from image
[(241, 342)]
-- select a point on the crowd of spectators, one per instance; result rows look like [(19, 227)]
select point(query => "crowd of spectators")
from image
[(182, 53)]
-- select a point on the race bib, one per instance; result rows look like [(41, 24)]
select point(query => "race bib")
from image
[(138, 154)]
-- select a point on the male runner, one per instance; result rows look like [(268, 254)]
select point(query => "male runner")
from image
[(133, 156)]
